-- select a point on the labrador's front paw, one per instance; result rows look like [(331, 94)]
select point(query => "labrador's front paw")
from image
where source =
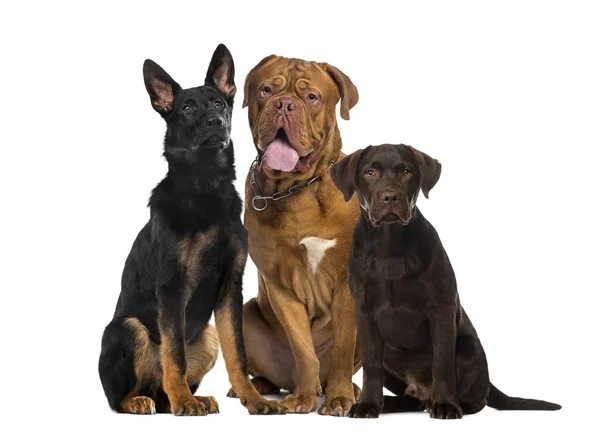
[(365, 410), (445, 410)]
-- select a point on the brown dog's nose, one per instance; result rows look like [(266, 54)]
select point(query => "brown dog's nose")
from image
[(286, 105), (389, 197)]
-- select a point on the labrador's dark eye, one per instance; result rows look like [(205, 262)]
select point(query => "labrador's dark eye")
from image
[(187, 108), (407, 171), (370, 172), (218, 104)]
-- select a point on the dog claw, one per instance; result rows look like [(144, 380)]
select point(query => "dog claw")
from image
[(210, 403), (192, 407), (365, 410), (140, 405), (266, 407), (300, 403), (339, 406), (445, 410)]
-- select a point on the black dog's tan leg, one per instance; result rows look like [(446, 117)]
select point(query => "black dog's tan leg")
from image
[(370, 402), (171, 323), (442, 324), (228, 317), (340, 390), (201, 357)]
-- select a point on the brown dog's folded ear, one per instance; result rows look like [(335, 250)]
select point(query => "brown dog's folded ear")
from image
[(343, 174), (160, 86), (221, 72), (251, 73), (348, 91), (429, 170)]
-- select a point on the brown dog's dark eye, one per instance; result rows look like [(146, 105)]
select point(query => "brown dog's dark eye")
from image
[(187, 108), (369, 173), (312, 97), (266, 91), (407, 172), (218, 104)]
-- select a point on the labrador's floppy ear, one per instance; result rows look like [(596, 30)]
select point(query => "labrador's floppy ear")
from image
[(221, 72), (160, 86), (346, 88), (249, 76), (343, 174), (429, 170)]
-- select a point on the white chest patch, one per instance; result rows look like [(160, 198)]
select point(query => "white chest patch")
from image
[(315, 250)]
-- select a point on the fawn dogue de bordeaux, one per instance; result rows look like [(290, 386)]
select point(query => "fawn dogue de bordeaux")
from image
[(300, 331)]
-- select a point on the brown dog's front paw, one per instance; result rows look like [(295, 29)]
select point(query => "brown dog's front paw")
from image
[(265, 407), (232, 393), (365, 410), (211, 404), (189, 407), (339, 406), (300, 403), (445, 410), (139, 405)]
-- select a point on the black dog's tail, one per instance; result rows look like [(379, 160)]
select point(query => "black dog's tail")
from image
[(498, 400)]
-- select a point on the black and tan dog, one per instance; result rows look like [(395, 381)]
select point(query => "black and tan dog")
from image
[(416, 338), (186, 262)]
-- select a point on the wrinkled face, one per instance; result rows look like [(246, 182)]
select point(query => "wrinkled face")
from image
[(200, 120), (292, 110), (388, 184)]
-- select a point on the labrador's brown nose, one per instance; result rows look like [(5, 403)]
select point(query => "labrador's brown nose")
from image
[(389, 197)]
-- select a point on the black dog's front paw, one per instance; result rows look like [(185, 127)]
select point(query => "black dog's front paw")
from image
[(445, 410), (364, 410)]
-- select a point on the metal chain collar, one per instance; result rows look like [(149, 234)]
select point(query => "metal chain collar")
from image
[(282, 194)]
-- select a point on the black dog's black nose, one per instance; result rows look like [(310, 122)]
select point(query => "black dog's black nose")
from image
[(285, 104), (389, 197), (213, 122)]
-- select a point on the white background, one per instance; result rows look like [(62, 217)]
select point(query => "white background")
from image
[(505, 95)]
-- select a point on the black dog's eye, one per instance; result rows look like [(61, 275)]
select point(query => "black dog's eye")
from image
[(312, 97), (218, 104), (187, 108), (370, 172), (407, 171)]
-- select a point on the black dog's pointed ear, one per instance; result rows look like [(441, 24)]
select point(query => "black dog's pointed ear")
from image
[(221, 72), (161, 87), (343, 174), (429, 170)]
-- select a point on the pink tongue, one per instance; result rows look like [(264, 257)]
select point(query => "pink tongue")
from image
[(280, 156)]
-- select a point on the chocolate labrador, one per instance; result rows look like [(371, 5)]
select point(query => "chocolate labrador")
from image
[(417, 339)]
